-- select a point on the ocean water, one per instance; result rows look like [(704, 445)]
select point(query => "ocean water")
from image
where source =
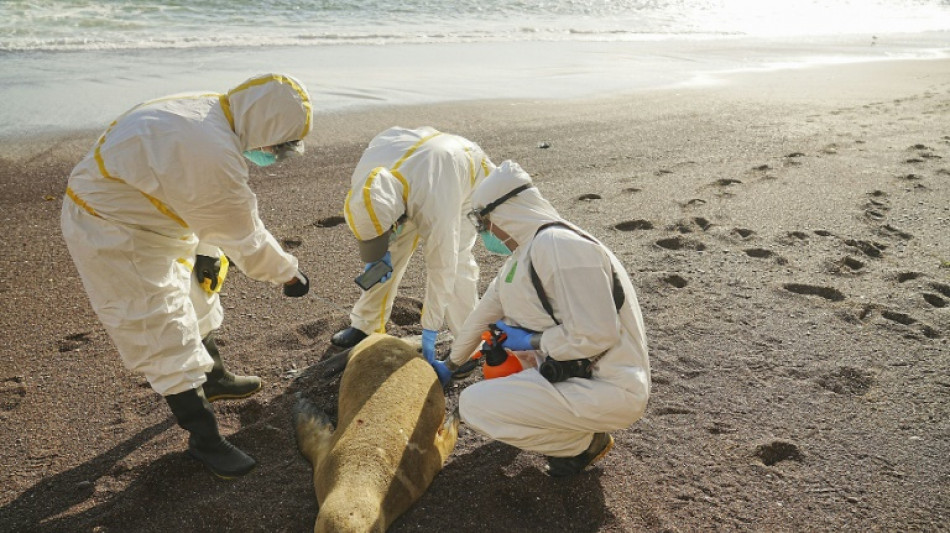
[(67, 64), (125, 24)]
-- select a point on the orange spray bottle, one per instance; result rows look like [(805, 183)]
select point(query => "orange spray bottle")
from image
[(499, 362)]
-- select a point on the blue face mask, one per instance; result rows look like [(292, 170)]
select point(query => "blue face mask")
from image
[(493, 244), (260, 157)]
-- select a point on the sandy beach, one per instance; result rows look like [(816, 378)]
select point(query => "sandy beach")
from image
[(788, 233)]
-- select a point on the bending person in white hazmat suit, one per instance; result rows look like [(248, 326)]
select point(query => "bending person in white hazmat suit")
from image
[(166, 182), (411, 187), (580, 315)]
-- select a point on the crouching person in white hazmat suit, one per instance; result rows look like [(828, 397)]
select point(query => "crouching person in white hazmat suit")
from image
[(166, 187), (579, 316), (411, 187)]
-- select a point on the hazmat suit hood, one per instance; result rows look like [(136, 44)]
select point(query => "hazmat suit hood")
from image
[(371, 209), (521, 215), (270, 109)]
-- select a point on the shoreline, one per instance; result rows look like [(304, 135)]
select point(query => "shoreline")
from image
[(800, 83), (63, 92)]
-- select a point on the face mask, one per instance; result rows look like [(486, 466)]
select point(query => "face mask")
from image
[(394, 234), (260, 157), (493, 244)]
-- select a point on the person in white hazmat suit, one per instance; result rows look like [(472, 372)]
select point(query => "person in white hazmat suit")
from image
[(162, 192), (593, 318), (411, 187)]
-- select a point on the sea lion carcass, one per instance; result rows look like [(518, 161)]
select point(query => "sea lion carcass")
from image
[(392, 437)]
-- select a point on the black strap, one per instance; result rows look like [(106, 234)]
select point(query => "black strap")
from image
[(509, 195), (618, 294)]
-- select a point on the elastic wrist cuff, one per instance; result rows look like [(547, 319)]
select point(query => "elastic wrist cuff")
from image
[(536, 341)]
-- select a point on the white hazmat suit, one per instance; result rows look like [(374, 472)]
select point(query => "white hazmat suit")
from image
[(165, 181), (524, 409), (428, 176)]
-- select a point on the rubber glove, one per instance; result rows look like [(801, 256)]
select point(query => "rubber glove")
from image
[(388, 259), (518, 339), (445, 375), (297, 286), (428, 351), (207, 269)]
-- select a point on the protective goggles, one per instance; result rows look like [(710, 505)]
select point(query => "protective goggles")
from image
[(478, 217)]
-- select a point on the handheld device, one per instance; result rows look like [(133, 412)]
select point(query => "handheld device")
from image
[(373, 275)]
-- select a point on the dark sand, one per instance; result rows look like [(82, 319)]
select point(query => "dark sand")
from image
[(789, 237)]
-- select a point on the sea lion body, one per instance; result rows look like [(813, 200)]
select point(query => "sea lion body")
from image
[(391, 441)]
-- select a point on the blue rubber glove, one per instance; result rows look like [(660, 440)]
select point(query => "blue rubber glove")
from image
[(428, 344), (518, 339), (445, 375), (428, 351), (388, 259)]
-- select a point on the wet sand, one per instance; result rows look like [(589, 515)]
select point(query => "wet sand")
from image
[(789, 237)]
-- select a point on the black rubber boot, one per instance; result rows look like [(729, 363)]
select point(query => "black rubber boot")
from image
[(223, 385), (194, 414), (569, 466), (347, 338)]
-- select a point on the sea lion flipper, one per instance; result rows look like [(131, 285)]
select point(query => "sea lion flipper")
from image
[(448, 435), (313, 428)]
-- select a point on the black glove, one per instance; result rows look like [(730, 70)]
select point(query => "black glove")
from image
[(207, 267), (299, 287)]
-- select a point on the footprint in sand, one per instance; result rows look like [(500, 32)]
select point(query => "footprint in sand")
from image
[(868, 248), (908, 276), (897, 316), (847, 380), (12, 392), (675, 280), (703, 223), (681, 243), (827, 293), (694, 202), (793, 237), (665, 411), (941, 288), (290, 244), (907, 320), (934, 300), (777, 451), (794, 158), (876, 207), (688, 226), (634, 225), (823, 233), (726, 182), (890, 231), (588, 197), (329, 222), (744, 234), (847, 265), (73, 342), (759, 253)]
